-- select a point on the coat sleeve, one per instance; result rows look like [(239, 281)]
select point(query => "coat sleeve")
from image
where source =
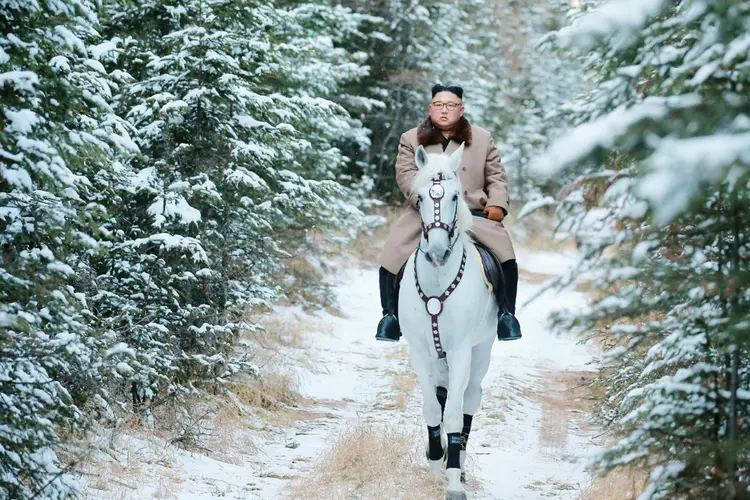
[(496, 179), (406, 168)]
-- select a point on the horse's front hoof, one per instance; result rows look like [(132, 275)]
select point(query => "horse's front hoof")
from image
[(436, 467), (456, 495)]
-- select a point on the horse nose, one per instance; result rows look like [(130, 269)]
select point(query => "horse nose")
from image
[(446, 255)]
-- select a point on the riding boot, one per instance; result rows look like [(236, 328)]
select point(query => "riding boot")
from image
[(508, 327), (388, 328)]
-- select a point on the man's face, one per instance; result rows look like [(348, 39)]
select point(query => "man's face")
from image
[(441, 115)]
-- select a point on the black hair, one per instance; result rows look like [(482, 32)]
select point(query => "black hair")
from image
[(455, 89)]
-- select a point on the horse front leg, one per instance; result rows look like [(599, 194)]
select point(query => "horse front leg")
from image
[(480, 363), (431, 408), (459, 368)]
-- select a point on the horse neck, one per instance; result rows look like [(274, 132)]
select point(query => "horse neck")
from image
[(435, 280)]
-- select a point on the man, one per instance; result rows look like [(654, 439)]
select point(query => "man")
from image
[(485, 190)]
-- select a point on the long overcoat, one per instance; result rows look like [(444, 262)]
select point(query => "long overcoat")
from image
[(482, 175)]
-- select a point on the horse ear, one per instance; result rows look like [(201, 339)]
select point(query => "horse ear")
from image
[(421, 157), (455, 159)]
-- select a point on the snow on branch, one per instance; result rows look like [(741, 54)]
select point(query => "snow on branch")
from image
[(679, 167), (617, 20), (604, 132)]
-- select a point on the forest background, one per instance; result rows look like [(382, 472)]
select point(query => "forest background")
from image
[(163, 163)]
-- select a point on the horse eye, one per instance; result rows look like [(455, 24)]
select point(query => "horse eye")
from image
[(455, 197)]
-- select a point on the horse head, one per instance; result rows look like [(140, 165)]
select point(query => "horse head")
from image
[(445, 215)]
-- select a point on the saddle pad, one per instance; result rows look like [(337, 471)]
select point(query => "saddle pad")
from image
[(482, 266)]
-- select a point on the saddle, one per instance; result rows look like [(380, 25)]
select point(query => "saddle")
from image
[(493, 274)]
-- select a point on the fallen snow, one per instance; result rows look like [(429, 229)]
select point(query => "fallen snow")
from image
[(510, 458)]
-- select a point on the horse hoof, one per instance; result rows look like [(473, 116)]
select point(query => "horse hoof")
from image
[(456, 495), (436, 467)]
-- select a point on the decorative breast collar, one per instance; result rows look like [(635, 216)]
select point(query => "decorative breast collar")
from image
[(434, 305)]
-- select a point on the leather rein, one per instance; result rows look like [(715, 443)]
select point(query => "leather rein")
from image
[(434, 304)]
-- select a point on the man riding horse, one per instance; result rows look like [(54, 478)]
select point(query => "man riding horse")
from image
[(485, 184)]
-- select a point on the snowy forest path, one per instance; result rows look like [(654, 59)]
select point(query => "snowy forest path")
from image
[(530, 435), (358, 431)]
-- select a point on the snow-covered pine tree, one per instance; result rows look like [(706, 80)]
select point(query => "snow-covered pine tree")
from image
[(398, 36), (512, 87), (58, 143), (238, 160), (540, 82), (662, 159)]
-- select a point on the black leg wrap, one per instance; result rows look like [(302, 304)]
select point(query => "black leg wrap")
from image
[(454, 451), (466, 431), (434, 446), (442, 397)]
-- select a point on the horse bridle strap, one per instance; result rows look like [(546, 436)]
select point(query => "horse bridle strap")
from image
[(436, 193), (434, 305)]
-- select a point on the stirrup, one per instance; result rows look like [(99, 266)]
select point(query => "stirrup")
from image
[(388, 329), (508, 327)]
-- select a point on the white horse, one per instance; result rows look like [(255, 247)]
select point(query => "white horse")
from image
[(447, 314)]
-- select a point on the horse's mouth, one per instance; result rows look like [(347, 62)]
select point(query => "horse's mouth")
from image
[(437, 261)]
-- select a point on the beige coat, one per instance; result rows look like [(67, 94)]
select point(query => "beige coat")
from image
[(484, 180)]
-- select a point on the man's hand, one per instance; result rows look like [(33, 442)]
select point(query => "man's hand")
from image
[(495, 213)]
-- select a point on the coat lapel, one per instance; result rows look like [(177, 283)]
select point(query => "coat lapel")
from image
[(452, 147), (436, 149)]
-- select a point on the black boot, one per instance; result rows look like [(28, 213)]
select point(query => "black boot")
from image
[(388, 328), (508, 327)]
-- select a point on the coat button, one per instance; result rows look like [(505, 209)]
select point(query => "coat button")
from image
[(466, 193), (463, 168)]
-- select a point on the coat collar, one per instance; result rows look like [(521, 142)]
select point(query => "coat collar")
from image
[(431, 137)]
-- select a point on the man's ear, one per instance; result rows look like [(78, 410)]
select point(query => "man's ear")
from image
[(421, 157), (455, 159)]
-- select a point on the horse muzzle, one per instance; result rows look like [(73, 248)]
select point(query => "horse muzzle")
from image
[(439, 259)]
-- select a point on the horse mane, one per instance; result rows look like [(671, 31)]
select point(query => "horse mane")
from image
[(424, 177)]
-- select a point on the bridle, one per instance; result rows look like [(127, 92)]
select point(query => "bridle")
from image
[(436, 194), (434, 304)]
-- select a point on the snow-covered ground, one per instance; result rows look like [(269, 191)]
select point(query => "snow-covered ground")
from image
[(529, 438)]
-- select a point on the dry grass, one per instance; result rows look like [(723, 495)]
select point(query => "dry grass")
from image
[(566, 398), (569, 398), (534, 278), (121, 473), (367, 247), (536, 231), (222, 425), (618, 485), (405, 380), (360, 464)]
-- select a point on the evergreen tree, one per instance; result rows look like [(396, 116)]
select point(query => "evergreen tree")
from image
[(661, 161), (57, 141), (237, 131)]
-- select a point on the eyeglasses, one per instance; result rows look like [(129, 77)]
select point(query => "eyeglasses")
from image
[(450, 105)]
